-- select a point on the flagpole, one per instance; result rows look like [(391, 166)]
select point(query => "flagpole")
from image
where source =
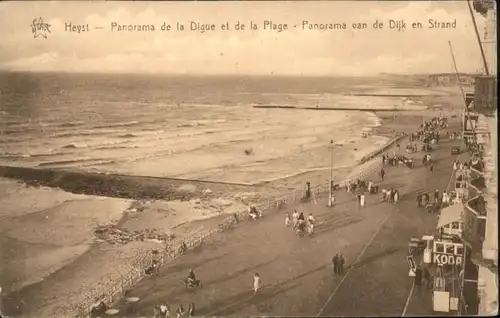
[(330, 193)]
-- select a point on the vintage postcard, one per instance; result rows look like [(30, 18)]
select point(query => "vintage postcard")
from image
[(248, 158)]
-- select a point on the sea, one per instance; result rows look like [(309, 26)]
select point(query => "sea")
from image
[(194, 127)]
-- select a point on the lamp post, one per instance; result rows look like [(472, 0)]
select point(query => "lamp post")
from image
[(330, 192)]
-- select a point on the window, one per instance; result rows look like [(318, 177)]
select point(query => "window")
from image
[(450, 249), (454, 225), (438, 247), (459, 250)]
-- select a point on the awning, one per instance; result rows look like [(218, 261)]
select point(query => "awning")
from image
[(450, 214)]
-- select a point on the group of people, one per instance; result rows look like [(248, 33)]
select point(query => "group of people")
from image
[(298, 222), (436, 201), (458, 165), (338, 262), (353, 185), (163, 311), (455, 135), (397, 160), (253, 213), (422, 277), (390, 195)]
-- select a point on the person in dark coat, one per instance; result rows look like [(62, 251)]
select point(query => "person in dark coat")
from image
[(418, 276), (341, 264), (426, 275), (382, 173), (335, 262)]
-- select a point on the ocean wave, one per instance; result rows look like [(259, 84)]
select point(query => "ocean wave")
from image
[(72, 124), (78, 133), (123, 124), (127, 136), (114, 147), (74, 146), (30, 155), (79, 162)]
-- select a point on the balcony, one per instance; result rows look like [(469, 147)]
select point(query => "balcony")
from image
[(477, 179), (474, 224)]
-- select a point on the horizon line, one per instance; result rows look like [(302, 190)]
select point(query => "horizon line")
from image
[(232, 74)]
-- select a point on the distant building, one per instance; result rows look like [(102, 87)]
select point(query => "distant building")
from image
[(450, 79)]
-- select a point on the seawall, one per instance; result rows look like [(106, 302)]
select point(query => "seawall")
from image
[(382, 149), (336, 108)]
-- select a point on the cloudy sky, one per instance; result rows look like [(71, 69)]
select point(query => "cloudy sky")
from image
[(295, 51)]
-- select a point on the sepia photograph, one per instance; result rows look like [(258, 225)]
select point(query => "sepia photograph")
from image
[(248, 158)]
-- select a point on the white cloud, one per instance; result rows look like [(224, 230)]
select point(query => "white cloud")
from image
[(293, 51)]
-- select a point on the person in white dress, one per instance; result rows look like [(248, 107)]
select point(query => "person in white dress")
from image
[(295, 217), (362, 200), (256, 283), (288, 221), (310, 220), (445, 198)]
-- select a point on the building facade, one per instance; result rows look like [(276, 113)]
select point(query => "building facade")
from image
[(481, 209)]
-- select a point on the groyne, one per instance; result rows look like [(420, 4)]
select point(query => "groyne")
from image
[(357, 109), (116, 185)]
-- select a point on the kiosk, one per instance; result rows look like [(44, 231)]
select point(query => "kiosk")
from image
[(428, 239)]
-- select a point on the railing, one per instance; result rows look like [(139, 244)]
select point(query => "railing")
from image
[(477, 178), (475, 211), (115, 290)]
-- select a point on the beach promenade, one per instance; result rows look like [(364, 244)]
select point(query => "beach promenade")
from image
[(296, 272)]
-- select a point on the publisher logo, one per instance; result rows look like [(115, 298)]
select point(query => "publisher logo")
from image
[(40, 28)]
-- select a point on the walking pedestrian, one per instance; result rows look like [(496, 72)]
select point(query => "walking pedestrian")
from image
[(444, 200), (431, 168), (427, 277), (341, 264), (295, 218), (436, 196), (256, 283), (288, 221), (335, 263), (391, 195), (396, 196), (362, 200), (418, 276), (382, 174), (180, 311), (191, 310)]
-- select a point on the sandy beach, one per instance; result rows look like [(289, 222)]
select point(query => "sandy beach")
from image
[(55, 228)]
